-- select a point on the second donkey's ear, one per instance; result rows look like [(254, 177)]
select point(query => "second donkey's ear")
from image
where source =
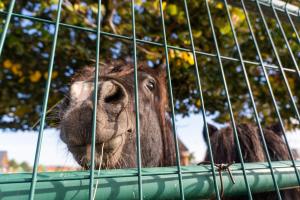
[(212, 130), (276, 128)]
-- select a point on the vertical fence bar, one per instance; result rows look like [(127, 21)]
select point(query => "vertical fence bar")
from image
[(136, 98), (45, 102), (285, 39), (233, 123), (202, 100), (6, 25), (252, 100), (171, 101), (279, 61), (269, 86), (95, 100), (292, 23)]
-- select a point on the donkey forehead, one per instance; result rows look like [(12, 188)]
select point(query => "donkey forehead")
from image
[(82, 87), (127, 76), (80, 90)]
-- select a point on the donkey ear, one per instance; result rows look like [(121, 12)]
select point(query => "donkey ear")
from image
[(161, 70), (276, 128), (212, 130)]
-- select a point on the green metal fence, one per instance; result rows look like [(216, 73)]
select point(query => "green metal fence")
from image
[(168, 182)]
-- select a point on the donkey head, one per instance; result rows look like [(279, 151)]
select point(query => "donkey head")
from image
[(116, 117)]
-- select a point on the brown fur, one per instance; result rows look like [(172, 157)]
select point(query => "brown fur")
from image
[(224, 151), (123, 73)]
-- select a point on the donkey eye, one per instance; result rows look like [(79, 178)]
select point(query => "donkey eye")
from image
[(151, 85)]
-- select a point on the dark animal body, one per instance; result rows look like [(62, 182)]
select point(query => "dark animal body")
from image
[(116, 124), (116, 117), (224, 151)]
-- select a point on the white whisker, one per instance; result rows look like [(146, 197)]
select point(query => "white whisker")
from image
[(101, 158)]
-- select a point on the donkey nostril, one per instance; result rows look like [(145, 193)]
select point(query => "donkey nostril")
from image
[(115, 96), (112, 93)]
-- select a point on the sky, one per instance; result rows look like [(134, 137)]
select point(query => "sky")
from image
[(21, 145)]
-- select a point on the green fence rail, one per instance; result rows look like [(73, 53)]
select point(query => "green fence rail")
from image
[(283, 7), (158, 183), (168, 182)]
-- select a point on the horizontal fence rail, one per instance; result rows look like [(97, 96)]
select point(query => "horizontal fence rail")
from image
[(158, 183), (281, 6)]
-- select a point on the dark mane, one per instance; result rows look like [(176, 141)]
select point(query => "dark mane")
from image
[(225, 151)]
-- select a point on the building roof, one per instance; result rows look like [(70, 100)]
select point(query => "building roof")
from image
[(3, 155), (182, 146)]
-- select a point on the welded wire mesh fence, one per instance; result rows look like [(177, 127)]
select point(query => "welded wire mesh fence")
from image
[(193, 181)]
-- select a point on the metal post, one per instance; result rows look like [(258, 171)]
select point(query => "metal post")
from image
[(95, 100), (136, 99), (6, 25), (171, 101), (45, 103)]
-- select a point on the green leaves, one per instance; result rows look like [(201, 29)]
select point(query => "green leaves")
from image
[(172, 9), (54, 2), (24, 61)]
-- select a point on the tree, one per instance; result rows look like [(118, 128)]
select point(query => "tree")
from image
[(25, 56), (25, 166), (13, 164)]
